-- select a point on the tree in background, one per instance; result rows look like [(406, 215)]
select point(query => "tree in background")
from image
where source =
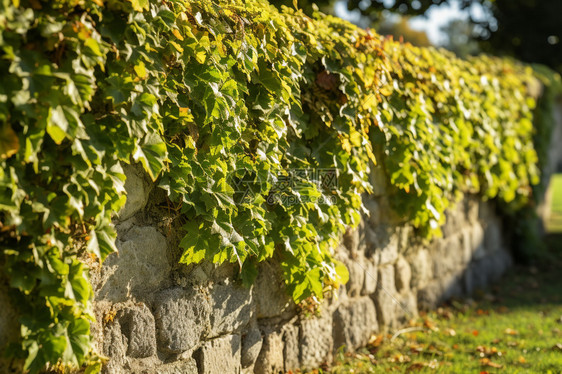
[(399, 28), (530, 30), (460, 38)]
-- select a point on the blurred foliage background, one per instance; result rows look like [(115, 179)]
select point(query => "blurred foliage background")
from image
[(529, 30)]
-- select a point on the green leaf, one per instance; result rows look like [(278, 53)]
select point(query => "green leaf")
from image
[(152, 154)]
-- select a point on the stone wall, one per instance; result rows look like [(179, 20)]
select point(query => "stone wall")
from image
[(157, 316)]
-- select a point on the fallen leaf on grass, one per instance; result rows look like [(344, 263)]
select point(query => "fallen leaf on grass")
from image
[(475, 332), (376, 340), (430, 325), (509, 331), (487, 362), (485, 351), (450, 332), (400, 358), (557, 347), (521, 359)]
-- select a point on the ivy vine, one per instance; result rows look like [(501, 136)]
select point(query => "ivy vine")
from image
[(261, 125)]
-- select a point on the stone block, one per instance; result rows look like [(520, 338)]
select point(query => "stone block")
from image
[(493, 235), (291, 350), (188, 366), (137, 187), (486, 211), (316, 340), (114, 347), (429, 296), (138, 269), (451, 286), (354, 323), (270, 295), (270, 359), (138, 327), (383, 243), (356, 275), (220, 355), (447, 255), (251, 346), (408, 307), (421, 266), (403, 274), (471, 205), (232, 309), (454, 220), (466, 244), (371, 274), (386, 298), (404, 233), (182, 319)]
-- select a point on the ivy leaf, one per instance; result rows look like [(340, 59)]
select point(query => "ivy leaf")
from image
[(140, 5), (102, 242), (57, 124), (77, 337), (152, 155), (9, 142)]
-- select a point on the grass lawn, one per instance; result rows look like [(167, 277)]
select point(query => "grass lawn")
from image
[(514, 327)]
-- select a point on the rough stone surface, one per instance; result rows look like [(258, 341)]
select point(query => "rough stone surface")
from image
[(403, 274), (270, 293), (114, 347), (137, 188), (421, 267), (251, 346), (356, 275), (408, 307), (493, 235), (316, 340), (208, 324), (466, 245), (371, 275), (270, 359), (429, 296), (291, 350), (354, 323), (182, 319), (385, 297), (137, 325), (446, 259), (231, 308), (139, 268), (385, 241), (220, 355), (471, 205), (188, 366)]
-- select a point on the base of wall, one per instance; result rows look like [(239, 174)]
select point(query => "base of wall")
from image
[(158, 316)]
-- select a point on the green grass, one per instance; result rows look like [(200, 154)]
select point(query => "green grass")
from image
[(554, 223), (514, 327)]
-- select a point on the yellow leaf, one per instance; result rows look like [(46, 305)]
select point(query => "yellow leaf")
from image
[(176, 46), (140, 70), (177, 34), (139, 5), (9, 141)]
